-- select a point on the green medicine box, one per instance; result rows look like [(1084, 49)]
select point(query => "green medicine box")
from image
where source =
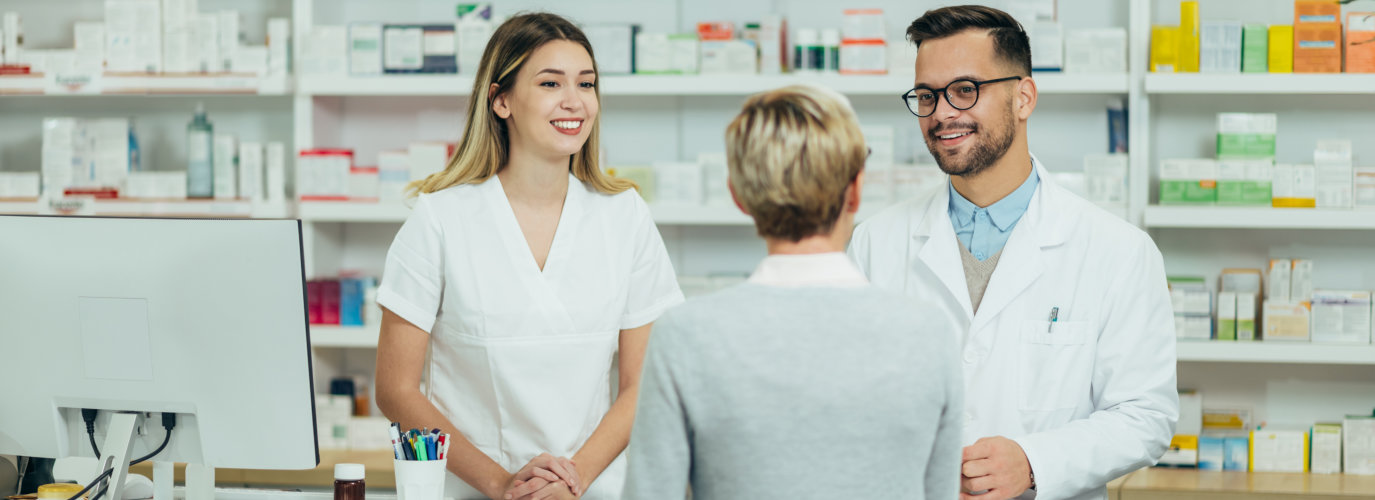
[(1255, 48), (1245, 182), (1246, 135), (1188, 182)]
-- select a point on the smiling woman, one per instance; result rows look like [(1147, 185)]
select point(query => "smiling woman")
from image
[(521, 277)]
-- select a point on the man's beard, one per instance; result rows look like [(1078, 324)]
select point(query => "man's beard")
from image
[(989, 147)]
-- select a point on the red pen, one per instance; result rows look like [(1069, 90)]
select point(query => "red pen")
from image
[(443, 445)]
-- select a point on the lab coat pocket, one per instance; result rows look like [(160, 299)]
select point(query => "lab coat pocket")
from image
[(1056, 364)]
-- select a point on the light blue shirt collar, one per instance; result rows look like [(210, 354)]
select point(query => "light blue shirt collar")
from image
[(1003, 213)]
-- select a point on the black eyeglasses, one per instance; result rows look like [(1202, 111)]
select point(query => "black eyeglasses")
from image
[(961, 94)]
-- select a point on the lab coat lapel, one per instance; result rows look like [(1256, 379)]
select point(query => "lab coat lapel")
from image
[(1021, 262), (941, 253)]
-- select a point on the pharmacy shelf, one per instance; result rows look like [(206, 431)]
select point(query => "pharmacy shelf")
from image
[(1276, 352), (220, 209), (687, 85), (1261, 83), (348, 211), (344, 336), (1213, 217), (133, 84)]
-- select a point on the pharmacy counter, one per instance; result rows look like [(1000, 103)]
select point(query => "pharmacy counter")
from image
[(377, 464), (1145, 484), (1187, 484)]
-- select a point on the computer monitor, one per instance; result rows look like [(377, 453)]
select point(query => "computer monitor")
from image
[(134, 317)]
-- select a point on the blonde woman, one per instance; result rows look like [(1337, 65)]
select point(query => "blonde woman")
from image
[(524, 274), (806, 381)]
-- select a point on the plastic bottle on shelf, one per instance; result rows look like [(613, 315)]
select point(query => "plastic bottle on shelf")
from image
[(135, 157), (200, 171)]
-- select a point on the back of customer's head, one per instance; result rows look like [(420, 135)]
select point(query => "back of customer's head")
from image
[(793, 153)]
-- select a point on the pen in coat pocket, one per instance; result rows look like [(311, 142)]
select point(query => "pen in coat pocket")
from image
[(1054, 317)]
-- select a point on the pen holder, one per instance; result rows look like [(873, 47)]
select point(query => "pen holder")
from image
[(420, 479)]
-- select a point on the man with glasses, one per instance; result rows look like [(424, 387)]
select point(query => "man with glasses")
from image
[(1065, 324)]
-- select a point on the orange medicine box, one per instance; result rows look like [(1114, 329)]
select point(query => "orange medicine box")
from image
[(1360, 42), (1317, 36), (1318, 48)]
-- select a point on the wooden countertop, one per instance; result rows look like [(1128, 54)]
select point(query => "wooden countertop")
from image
[(1190, 484)]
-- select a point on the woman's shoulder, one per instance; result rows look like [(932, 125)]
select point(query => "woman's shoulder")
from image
[(626, 203)]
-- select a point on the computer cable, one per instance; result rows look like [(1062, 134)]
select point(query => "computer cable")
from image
[(169, 420), (88, 414)]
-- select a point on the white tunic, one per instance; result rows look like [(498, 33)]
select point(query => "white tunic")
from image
[(522, 359)]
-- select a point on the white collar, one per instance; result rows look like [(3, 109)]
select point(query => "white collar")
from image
[(833, 269)]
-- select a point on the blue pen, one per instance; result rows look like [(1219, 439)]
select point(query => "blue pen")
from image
[(407, 447), (429, 447)]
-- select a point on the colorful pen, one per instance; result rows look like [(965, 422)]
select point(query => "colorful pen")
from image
[(395, 431)]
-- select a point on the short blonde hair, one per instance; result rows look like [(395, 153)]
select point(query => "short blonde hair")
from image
[(792, 153)]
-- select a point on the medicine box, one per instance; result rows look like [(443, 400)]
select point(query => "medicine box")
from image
[(1245, 182), (1246, 135), (19, 185), (393, 175), (323, 174), (1360, 42), (1188, 181), (1247, 305), (1237, 451), (1164, 49), (426, 158), (365, 48), (1183, 451), (226, 168), (1286, 321), (1358, 445), (1301, 281), (1226, 316), (615, 47), (1341, 316), (1255, 46), (1281, 51), (1363, 188), (1294, 186), (324, 51), (661, 53), (1326, 439), (1101, 50), (1211, 452), (1279, 451), (1189, 41), (403, 48), (1220, 47), (1278, 287), (1334, 173), (1318, 47), (678, 183), (729, 57)]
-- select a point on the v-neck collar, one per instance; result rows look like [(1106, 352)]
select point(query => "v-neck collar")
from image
[(563, 232)]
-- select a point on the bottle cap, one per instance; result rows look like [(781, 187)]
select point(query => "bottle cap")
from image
[(348, 472)]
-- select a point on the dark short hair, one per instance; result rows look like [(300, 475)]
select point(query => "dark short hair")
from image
[(1009, 39)]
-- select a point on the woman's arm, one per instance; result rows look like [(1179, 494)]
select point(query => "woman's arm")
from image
[(612, 434), (400, 365)]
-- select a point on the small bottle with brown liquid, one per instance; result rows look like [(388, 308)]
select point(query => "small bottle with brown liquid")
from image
[(348, 482)]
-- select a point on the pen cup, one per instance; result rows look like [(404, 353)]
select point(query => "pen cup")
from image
[(420, 479)]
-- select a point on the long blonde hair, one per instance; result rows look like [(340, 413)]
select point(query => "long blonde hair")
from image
[(485, 147)]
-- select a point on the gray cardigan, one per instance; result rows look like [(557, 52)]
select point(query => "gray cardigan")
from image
[(764, 392)]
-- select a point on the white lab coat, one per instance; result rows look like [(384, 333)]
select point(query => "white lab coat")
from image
[(1088, 398), (521, 359)]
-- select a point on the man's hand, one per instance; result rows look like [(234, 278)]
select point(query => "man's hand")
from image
[(995, 468)]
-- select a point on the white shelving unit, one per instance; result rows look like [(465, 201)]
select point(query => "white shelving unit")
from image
[(344, 336), (689, 85), (1261, 83), (1276, 353), (1258, 218), (222, 209), (132, 84)]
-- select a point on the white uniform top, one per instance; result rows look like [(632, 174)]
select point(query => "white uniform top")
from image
[(1089, 396), (522, 359)]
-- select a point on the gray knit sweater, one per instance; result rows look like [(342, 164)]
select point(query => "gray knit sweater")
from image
[(763, 392)]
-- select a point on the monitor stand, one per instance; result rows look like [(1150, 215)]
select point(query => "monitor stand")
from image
[(119, 440)]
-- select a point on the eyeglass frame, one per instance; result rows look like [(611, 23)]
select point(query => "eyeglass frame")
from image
[(944, 91)]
